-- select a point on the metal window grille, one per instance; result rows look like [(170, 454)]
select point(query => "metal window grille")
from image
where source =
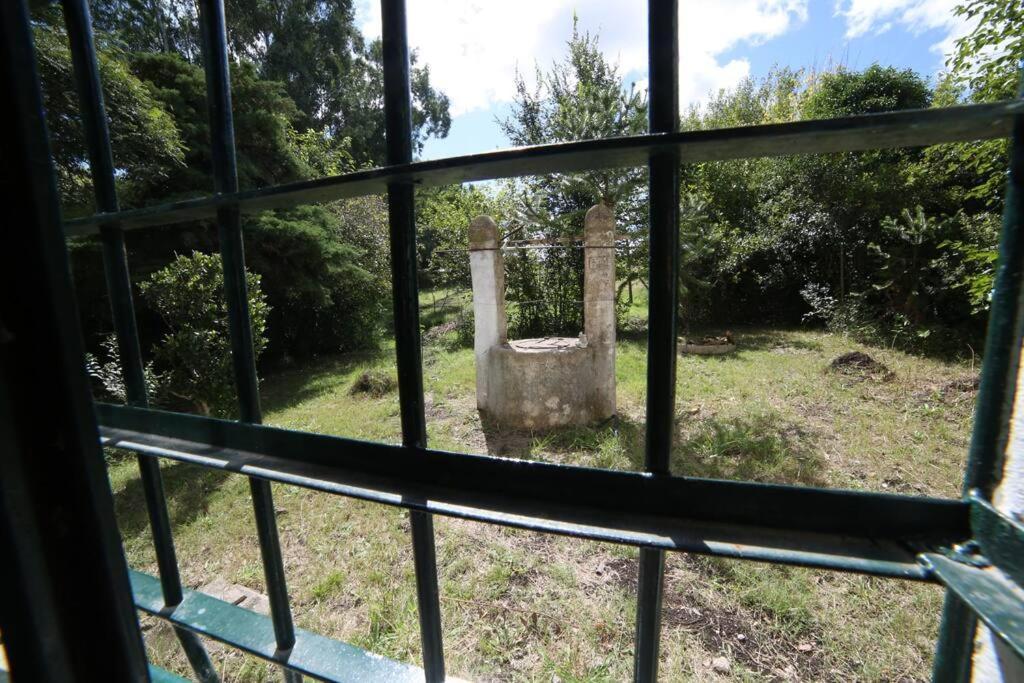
[(62, 535)]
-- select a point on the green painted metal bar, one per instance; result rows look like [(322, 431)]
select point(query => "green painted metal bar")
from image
[(1005, 331), (852, 531), (405, 295), (222, 144), (58, 533), (955, 644), (995, 395), (115, 263), (990, 594), (322, 658), (158, 675), (663, 183), (914, 128), (1000, 538)]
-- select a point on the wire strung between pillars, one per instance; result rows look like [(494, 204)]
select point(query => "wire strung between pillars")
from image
[(537, 244), (81, 41), (213, 34)]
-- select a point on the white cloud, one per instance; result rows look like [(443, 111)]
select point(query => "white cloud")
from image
[(473, 47), (917, 16)]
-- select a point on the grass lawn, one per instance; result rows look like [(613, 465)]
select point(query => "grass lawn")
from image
[(526, 606)]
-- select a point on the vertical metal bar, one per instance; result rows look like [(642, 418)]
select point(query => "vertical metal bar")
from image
[(1002, 342), (222, 147), (955, 645), (402, 224), (994, 409), (663, 114), (115, 263), (58, 533)]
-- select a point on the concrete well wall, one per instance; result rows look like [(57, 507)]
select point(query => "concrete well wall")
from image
[(549, 382)]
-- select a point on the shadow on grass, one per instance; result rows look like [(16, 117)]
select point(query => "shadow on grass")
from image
[(758, 339), (187, 488), (293, 386), (757, 447)]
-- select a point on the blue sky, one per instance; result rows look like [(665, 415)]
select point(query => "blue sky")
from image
[(473, 47)]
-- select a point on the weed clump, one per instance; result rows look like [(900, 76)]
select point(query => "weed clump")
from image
[(375, 383), (862, 366)]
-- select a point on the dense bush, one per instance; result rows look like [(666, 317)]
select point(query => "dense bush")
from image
[(891, 246), (322, 299), (324, 269), (104, 369), (193, 358)]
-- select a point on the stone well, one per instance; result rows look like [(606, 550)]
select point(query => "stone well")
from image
[(552, 381)]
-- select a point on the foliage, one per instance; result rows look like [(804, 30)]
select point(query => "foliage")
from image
[(268, 149), (313, 47), (322, 298), (442, 230), (884, 245), (909, 274), (841, 198), (694, 248), (986, 63), (849, 316), (324, 269), (876, 89), (147, 145), (363, 223), (108, 378), (580, 97), (194, 356), (987, 60), (975, 254), (150, 25)]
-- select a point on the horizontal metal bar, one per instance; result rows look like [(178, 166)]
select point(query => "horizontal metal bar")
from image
[(988, 592), (1001, 538), (312, 654), (913, 128), (158, 675), (870, 533)]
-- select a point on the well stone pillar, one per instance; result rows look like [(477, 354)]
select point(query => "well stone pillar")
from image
[(599, 305), (490, 326)]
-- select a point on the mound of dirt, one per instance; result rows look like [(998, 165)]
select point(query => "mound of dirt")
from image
[(374, 383), (861, 365)]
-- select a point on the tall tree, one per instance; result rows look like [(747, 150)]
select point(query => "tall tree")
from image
[(986, 66), (845, 196), (581, 97), (313, 47), (147, 144)]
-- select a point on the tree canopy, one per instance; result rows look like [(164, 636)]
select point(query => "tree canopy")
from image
[(312, 47), (582, 96)]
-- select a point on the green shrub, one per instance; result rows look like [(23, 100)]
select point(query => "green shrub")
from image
[(194, 356), (108, 378), (324, 297)]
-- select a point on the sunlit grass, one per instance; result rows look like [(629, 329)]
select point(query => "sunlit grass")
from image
[(524, 606)]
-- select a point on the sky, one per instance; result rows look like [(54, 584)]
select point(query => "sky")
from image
[(474, 47)]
